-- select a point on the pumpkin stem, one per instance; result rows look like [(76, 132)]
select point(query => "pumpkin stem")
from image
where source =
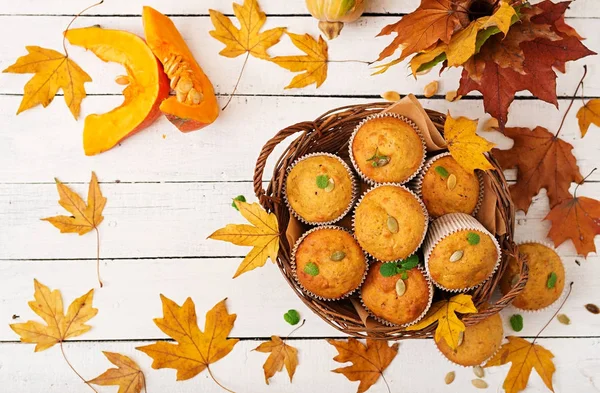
[(331, 29)]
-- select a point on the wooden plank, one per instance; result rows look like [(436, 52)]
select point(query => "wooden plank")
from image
[(225, 151), (161, 220), (576, 361), (356, 43)]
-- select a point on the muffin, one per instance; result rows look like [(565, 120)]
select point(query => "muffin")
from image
[(320, 188), (392, 303), (328, 263), (390, 222), (479, 343), (460, 254), (445, 187), (546, 277), (387, 148)]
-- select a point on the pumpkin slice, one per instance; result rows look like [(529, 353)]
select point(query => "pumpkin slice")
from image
[(147, 86), (194, 104)]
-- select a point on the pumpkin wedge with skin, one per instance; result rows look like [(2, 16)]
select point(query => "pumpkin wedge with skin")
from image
[(147, 86), (194, 104)]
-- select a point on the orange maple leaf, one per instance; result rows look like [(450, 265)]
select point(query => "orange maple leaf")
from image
[(127, 376), (588, 114), (542, 161), (280, 354), (368, 361)]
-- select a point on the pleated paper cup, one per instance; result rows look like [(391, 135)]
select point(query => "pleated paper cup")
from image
[(348, 208), (295, 272), (446, 225), (367, 179)]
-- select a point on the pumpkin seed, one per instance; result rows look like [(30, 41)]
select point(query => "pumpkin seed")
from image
[(450, 377), (392, 224), (122, 80), (181, 97), (430, 89), (514, 280), (452, 96), (382, 161), (478, 371), (479, 383), (456, 256), (461, 338), (337, 256), (391, 96), (400, 287), (451, 183), (330, 185), (562, 318), (184, 85), (490, 124), (592, 308), (174, 82)]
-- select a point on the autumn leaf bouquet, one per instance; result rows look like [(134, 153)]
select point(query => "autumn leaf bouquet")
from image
[(503, 47)]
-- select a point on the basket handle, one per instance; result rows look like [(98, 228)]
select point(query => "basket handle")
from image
[(266, 151)]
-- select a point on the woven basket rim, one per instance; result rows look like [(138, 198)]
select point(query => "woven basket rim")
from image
[(331, 132)]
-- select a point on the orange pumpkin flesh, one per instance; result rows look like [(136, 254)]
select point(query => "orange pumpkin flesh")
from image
[(148, 86), (169, 47)]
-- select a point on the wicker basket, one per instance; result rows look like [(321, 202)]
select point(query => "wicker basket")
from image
[(330, 133)]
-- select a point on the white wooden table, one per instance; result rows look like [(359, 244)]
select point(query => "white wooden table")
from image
[(167, 191)]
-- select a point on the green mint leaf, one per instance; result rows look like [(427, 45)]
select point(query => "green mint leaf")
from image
[(311, 269), (473, 238), (240, 198), (516, 321), (442, 171), (375, 155), (322, 181), (410, 263), (404, 274), (388, 269), (292, 317), (551, 283)]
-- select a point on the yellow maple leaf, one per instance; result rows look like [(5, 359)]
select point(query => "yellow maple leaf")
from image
[(425, 57), (524, 356), (127, 376), (465, 146), (444, 312), (53, 70), (314, 63), (588, 114), (59, 327), (195, 350), (280, 354), (262, 235), (248, 38)]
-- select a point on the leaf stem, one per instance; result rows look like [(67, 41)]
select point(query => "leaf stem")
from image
[(583, 181), (237, 82), (62, 350), (64, 43), (98, 257), (572, 101), (297, 327), (351, 61), (217, 382), (555, 313)]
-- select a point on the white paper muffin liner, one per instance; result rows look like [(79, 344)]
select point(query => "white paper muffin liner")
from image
[(352, 178), (417, 183), (294, 271), (447, 225), (562, 296), (380, 115), (423, 208), (419, 318)]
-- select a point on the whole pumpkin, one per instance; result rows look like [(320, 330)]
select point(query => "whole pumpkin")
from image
[(333, 13)]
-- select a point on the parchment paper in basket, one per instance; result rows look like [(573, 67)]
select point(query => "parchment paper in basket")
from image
[(489, 214)]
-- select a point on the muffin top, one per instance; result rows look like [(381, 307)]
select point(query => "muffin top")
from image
[(462, 259), (387, 149), (541, 289), (329, 263), (380, 296), (448, 188), (319, 188), (390, 222), (479, 343)]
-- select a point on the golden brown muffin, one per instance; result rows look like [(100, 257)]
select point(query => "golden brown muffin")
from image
[(379, 295), (539, 291), (479, 343), (390, 222), (447, 188), (462, 260), (320, 189), (387, 149), (329, 263)]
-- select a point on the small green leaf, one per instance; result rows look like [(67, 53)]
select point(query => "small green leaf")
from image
[(516, 321), (551, 283), (410, 263), (388, 269), (404, 274), (240, 198), (311, 269), (292, 317), (442, 171), (322, 181), (473, 238)]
